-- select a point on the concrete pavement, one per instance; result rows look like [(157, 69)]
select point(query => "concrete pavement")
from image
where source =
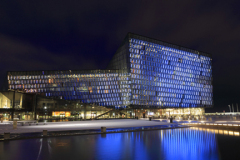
[(78, 125)]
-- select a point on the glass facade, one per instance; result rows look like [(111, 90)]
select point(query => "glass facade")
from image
[(168, 77), (143, 73), (9, 100), (101, 87), (30, 106), (15, 104)]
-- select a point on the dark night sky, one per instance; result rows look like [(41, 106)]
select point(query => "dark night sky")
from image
[(63, 35)]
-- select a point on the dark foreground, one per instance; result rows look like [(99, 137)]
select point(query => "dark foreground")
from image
[(176, 144)]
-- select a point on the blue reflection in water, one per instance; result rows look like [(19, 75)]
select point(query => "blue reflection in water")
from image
[(189, 144), (176, 144), (167, 144), (122, 146)]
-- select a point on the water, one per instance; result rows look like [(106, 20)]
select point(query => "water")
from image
[(176, 144)]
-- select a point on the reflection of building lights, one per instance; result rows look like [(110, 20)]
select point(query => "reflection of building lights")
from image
[(216, 131), (236, 133)]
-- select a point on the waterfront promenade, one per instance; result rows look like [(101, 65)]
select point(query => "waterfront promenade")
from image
[(119, 123), (78, 125)]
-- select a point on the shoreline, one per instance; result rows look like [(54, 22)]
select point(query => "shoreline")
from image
[(89, 132), (82, 128)]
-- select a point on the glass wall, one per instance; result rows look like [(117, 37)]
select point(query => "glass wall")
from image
[(5, 101), (168, 77), (147, 73), (176, 113), (105, 88), (29, 106), (49, 108), (120, 59)]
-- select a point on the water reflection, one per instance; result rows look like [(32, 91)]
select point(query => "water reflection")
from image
[(178, 144), (189, 144), (218, 131)]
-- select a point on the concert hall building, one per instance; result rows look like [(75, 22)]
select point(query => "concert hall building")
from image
[(146, 77)]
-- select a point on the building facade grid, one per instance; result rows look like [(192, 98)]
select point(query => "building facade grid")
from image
[(143, 72)]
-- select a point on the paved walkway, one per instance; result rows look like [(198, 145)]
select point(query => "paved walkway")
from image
[(78, 125)]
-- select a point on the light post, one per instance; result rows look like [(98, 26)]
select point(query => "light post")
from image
[(229, 108)]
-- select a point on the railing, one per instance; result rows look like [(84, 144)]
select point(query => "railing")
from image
[(102, 114), (214, 124), (222, 114)]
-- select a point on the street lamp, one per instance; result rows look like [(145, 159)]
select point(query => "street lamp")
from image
[(229, 108)]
